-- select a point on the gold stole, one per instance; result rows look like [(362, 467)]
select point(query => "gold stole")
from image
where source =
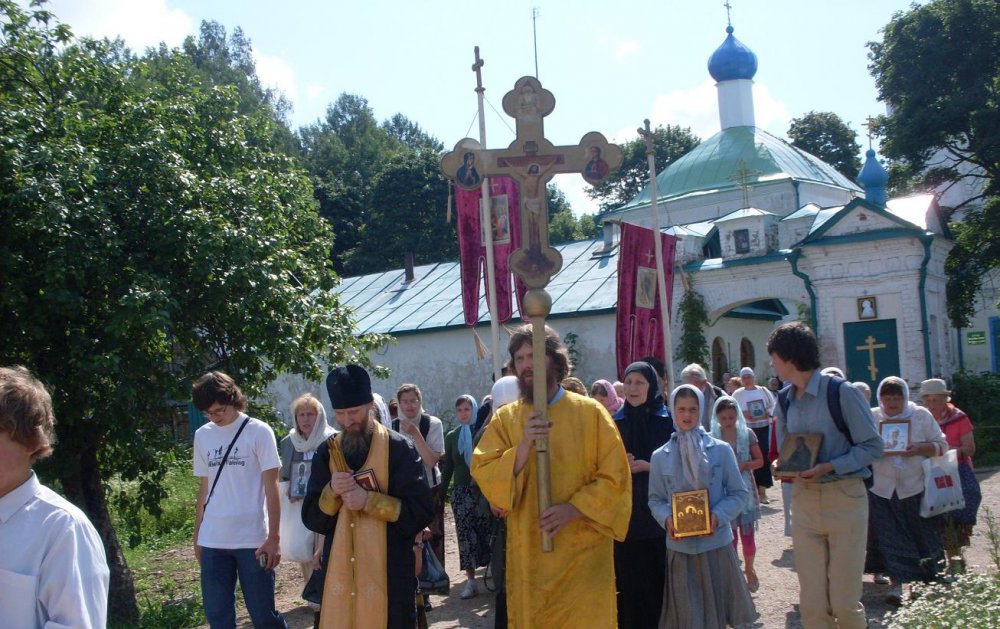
[(355, 594)]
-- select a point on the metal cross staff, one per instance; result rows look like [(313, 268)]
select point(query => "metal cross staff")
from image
[(532, 161)]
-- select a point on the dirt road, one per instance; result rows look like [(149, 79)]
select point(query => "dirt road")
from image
[(777, 600)]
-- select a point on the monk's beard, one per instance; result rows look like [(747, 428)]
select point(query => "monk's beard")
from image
[(356, 444), (526, 389)]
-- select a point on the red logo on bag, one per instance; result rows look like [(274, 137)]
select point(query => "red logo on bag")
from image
[(943, 481)]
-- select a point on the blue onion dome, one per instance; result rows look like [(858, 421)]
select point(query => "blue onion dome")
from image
[(872, 174), (732, 60)]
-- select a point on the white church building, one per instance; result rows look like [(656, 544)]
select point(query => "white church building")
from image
[(768, 233)]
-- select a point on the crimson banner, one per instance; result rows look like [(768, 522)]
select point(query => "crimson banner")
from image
[(638, 331), (505, 225)]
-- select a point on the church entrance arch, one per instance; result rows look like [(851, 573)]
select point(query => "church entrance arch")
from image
[(720, 364)]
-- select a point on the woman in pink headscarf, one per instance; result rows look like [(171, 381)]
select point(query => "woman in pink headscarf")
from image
[(604, 392)]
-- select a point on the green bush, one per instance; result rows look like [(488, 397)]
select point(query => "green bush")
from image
[(970, 602), (974, 393)]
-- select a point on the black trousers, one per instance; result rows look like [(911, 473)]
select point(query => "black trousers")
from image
[(762, 475), (640, 573)]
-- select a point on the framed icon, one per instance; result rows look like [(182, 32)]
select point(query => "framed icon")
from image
[(499, 221), (645, 287), (691, 513), (867, 308), (798, 453), (299, 479), (895, 435)]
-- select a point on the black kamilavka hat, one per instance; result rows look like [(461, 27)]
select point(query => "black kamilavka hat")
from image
[(349, 386)]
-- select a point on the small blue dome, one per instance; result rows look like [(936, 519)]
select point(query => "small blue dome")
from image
[(732, 60), (872, 173)]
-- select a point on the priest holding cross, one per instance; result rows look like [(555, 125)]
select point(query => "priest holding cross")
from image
[(561, 520)]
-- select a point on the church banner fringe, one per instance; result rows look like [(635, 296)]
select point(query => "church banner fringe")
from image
[(505, 225), (639, 332)]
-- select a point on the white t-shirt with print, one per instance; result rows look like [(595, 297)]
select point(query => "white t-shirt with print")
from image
[(236, 515), (758, 403)]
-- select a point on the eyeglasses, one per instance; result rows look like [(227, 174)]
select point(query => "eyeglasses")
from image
[(219, 412)]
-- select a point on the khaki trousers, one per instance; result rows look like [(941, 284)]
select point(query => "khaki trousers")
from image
[(829, 533)]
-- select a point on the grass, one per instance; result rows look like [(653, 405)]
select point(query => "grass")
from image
[(970, 602), (166, 577)]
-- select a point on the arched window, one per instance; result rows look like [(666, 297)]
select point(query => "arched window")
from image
[(747, 354), (719, 363)]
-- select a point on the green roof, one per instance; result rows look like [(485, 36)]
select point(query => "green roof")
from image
[(712, 166)]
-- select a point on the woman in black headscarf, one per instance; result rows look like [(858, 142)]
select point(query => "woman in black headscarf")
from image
[(644, 424)]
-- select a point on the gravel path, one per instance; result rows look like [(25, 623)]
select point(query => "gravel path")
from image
[(777, 600)]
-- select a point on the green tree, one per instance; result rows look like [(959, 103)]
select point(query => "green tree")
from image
[(564, 226), (937, 66), (825, 135), (670, 144), (406, 215), (693, 347), (148, 232)]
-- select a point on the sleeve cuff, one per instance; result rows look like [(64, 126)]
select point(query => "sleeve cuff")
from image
[(383, 507), (329, 501)]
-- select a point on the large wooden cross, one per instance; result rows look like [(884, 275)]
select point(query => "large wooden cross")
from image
[(532, 161)]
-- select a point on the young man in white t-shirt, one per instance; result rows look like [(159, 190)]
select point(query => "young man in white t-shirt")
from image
[(236, 532)]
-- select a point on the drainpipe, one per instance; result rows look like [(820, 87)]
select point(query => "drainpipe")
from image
[(927, 240), (795, 187), (794, 261), (961, 356)]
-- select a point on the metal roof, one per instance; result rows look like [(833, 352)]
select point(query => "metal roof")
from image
[(712, 166), (744, 213), (433, 300)]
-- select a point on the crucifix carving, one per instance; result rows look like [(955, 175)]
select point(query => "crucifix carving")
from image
[(871, 346), (532, 161)]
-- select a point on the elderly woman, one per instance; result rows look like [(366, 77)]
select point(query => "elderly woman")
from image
[(644, 425), (471, 525), (955, 526), (909, 546), (298, 543), (604, 392)]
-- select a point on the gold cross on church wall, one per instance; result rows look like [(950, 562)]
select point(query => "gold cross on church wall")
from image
[(871, 347), (742, 177), (532, 161)]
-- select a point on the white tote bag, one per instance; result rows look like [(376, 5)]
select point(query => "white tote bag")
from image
[(942, 485), (296, 539)]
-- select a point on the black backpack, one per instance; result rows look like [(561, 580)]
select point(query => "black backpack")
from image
[(833, 404)]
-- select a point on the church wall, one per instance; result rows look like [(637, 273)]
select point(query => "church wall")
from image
[(983, 357), (732, 331), (887, 270)]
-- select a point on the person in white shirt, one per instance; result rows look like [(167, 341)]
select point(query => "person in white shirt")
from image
[(427, 433), (238, 512), (53, 570), (757, 404)]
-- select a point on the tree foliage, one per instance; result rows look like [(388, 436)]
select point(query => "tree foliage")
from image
[(825, 135), (352, 161), (149, 231), (937, 67), (670, 143), (693, 347)]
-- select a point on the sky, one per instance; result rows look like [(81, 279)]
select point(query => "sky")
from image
[(610, 65)]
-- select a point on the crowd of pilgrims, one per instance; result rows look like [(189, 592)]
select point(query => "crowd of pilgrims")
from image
[(719, 439)]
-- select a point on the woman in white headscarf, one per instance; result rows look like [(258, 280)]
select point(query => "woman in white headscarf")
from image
[(297, 449), (471, 524), (909, 546), (704, 585)]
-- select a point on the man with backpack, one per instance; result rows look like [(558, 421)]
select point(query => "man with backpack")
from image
[(829, 500)]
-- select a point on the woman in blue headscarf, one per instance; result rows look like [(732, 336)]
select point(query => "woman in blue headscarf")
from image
[(471, 524)]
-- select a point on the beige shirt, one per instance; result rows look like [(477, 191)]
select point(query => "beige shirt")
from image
[(905, 475)]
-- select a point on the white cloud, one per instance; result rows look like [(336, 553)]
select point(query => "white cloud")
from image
[(315, 91), (575, 189), (275, 72), (626, 48), (141, 23), (698, 108)]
